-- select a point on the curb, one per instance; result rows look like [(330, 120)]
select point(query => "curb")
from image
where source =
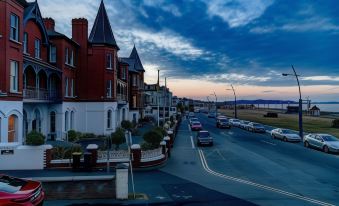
[(72, 178)]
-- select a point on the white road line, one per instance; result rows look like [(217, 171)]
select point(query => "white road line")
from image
[(300, 197), (193, 147), (189, 128), (268, 142)]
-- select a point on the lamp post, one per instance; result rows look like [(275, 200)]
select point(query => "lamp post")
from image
[(235, 102), (216, 107), (158, 98), (301, 132), (208, 99)]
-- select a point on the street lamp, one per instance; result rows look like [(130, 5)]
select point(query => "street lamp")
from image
[(208, 99), (301, 132), (235, 102), (216, 107)]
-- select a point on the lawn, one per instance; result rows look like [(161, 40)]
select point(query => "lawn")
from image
[(289, 121)]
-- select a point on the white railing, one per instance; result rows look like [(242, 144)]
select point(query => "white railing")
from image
[(114, 154), (148, 154), (40, 94)]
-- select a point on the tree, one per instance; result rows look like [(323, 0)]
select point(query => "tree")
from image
[(335, 123), (126, 124), (160, 130), (35, 138), (72, 136), (118, 137)]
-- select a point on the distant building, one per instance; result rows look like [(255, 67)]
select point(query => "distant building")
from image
[(315, 111)]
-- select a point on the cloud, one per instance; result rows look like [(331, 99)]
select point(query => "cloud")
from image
[(164, 5), (237, 13), (236, 77), (321, 78)]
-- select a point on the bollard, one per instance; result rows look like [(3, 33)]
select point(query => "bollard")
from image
[(93, 149), (136, 155), (121, 181), (168, 145)]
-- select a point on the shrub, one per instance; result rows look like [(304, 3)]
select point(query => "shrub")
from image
[(335, 123), (118, 137), (35, 138), (147, 146), (69, 151), (153, 137), (126, 124), (161, 131), (72, 136), (87, 136)]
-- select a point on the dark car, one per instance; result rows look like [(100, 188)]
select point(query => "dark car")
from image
[(204, 138), (16, 191), (223, 123)]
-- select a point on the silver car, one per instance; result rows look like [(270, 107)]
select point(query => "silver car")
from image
[(285, 134), (325, 142), (235, 122), (244, 124), (255, 127)]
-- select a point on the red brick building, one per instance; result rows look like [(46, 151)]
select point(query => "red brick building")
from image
[(52, 83)]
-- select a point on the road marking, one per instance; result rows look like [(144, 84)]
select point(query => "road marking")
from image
[(193, 147), (215, 151), (189, 128), (230, 133), (268, 142), (235, 179)]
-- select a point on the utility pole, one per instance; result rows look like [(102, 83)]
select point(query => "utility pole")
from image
[(164, 103), (158, 99)]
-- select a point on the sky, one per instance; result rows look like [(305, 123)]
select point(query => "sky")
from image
[(204, 46)]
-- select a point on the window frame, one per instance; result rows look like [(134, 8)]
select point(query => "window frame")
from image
[(25, 43), (14, 29), (66, 87), (14, 78), (109, 63), (109, 89), (66, 55), (109, 119), (37, 48), (52, 53)]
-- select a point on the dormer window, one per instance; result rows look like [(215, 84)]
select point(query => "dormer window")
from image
[(109, 61), (37, 53)]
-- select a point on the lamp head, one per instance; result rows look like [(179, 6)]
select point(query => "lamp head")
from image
[(284, 74)]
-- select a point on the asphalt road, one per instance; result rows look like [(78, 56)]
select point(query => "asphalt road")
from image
[(255, 167)]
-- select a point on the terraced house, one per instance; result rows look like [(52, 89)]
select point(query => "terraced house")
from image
[(52, 83)]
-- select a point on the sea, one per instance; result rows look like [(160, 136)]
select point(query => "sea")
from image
[(322, 106)]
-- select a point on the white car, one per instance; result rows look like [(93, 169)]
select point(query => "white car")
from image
[(325, 142), (193, 119), (235, 122), (285, 134), (244, 124)]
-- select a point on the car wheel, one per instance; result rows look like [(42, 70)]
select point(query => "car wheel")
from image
[(273, 136), (285, 139), (325, 149), (306, 144)]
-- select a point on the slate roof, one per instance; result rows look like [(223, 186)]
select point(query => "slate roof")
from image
[(55, 34), (134, 61), (101, 31), (314, 108)]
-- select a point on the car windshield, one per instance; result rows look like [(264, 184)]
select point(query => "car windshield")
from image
[(11, 185), (194, 119), (245, 122), (204, 134), (329, 138), (223, 120), (196, 123), (286, 131)]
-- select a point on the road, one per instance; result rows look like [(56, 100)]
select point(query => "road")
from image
[(242, 168), (256, 168)]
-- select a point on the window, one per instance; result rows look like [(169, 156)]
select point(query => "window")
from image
[(14, 33), (134, 81), (25, 43), (66, 87), (52, 54), (72, 88), (109, 88), (71, 59), (66, 55), (66, 121), (14, 76), (12, 128), (37, 48), (109, 61), (109, 119), (123, 73), (72, 120)]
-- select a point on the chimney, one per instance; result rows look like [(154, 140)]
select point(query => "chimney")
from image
[(80, 31), (49, 23)]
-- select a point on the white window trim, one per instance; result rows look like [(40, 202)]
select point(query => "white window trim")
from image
[(25, 43), (52, 60), (16, 38), (66, 55), (72, 87), (110, 123), (14, 85), (66, 87), (37, 50), (109, 55)]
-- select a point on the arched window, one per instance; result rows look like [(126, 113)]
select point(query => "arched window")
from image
[(13, 128), (66, 121), (52, 126), (72, 120), (109, 119), (25, 124)]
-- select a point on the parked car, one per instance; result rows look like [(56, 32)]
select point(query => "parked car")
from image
[(235, 122), (211, 115), (193, 119), (285, 135), (256, 127), (191, 114), (16, 191), (244, 124), (223, 123), (205, 111), (196, 126), (325, 142), (196, 110), (204, 138)]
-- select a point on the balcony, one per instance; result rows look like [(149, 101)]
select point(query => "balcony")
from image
[(40, 95), (122, 98)]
